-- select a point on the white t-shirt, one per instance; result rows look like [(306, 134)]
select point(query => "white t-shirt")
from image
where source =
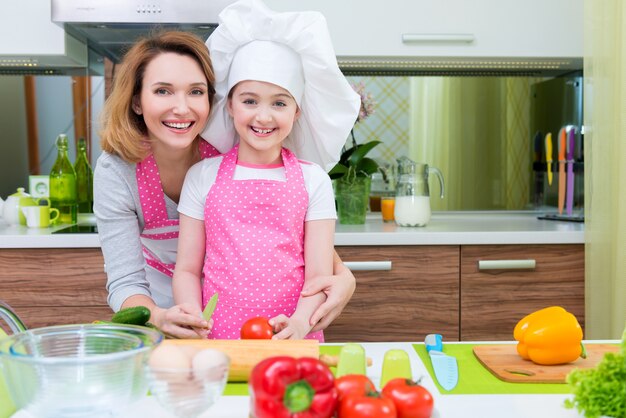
[(201, 177)]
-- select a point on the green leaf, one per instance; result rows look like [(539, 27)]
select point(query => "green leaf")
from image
[(367, 167), (338, 171), (360, 152)]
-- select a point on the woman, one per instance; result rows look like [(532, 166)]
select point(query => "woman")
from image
[(159, 104)]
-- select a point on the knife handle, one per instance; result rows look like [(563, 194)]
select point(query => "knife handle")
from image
[(433, 342)]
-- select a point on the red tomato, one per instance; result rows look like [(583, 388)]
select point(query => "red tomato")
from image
[(256, 329), (373, 405), (411, 399), (354, 384)]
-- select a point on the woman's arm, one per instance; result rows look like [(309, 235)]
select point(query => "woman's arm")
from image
[(116, 210), (318, 262), (338, 289)]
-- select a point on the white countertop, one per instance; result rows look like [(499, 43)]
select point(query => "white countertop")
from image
[(445, 228), (446, 406)]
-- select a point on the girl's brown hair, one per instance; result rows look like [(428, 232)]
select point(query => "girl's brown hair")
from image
[(124, 133)]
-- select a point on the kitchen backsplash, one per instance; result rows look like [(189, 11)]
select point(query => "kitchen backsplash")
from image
[(390, 121), (477, 130)]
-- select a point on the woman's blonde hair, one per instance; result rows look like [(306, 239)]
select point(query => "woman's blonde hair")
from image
[(124, 133)]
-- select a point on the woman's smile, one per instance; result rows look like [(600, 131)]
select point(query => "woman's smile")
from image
[(180, 126)]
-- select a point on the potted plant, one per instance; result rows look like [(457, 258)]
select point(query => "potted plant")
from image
[(352, 174)]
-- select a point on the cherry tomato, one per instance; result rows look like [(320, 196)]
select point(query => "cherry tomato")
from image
[(256, 329), (411, 399), (372, 405), (354, 384)]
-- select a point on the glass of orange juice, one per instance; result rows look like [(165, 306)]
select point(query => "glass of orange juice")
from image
[(387, 206)]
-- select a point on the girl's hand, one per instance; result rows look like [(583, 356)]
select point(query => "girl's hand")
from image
[(181, 321), (338, 289), (286, 328)]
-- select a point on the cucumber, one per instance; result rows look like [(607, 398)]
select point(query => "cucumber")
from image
[(136, 315)]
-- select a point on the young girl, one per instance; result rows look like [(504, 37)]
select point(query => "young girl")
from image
[(258, 222)]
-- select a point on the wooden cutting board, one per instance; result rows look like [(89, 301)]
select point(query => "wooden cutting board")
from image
[(245, 354), (503, 361)]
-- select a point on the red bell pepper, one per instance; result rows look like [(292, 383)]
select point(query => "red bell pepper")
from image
[(286, 387)]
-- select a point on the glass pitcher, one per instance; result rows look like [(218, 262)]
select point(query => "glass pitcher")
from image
[(412, 207)]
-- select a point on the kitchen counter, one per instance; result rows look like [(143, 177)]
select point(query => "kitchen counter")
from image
[(446, 406), (445, 228)]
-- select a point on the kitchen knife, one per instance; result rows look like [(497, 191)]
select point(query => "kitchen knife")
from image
[(562, 146), (549, 157), (571, 145), (209, 308), (445, 366)]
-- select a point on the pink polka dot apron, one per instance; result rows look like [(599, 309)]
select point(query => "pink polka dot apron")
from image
[(159, 237), (254, 246)]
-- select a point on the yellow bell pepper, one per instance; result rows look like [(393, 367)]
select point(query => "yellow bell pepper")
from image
[(549, 336)]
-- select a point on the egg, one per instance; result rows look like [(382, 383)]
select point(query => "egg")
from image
[(189, 350), (169, 357), (210, 364)]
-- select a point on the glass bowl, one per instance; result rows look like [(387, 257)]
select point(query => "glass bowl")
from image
[(189, 392), (77, 370)]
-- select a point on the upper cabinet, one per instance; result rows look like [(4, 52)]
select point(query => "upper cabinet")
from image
[(33, 44), (450, 28)]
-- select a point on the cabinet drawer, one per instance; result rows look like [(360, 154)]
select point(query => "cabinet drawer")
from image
[(494, 299), (52, 277), (417, 296)]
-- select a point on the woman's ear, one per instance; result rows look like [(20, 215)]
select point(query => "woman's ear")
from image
[(136, 106), (297, 115)]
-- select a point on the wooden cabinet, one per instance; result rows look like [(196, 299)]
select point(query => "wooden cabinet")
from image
[(441, 289), (450, 28), (417, 296), (428, 288), (494, 300), (52, 286)]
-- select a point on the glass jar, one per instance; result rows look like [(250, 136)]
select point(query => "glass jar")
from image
[(63, 185)]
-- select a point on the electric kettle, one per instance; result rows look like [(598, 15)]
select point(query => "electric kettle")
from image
[(412, 206)]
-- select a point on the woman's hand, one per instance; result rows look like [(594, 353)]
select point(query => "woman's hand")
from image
[(338, 289), (181, 321)]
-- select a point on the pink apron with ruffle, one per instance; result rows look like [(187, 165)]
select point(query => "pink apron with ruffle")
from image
[(160, 234), (254, 246)]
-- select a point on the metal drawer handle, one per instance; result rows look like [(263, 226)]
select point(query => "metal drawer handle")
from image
[(506, 264), (368, 265), (408, 38)]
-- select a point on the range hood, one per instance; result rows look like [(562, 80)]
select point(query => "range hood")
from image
[(110, 27)]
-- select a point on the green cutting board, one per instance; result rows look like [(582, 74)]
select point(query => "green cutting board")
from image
[(475, 379)]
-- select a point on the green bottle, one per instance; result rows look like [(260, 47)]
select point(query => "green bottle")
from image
[(84, 179), (63, 185)]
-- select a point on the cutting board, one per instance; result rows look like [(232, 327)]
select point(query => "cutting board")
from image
[(245, 354), (503, 361)]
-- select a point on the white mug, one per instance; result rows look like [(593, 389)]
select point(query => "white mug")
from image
[(39, 216)]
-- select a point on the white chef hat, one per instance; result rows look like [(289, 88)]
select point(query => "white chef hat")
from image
[(294, 51)]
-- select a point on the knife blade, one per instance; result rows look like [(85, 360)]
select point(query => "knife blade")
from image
[(445, 366), (549, 157), (571, 145), (210, 308), (562, 146)]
